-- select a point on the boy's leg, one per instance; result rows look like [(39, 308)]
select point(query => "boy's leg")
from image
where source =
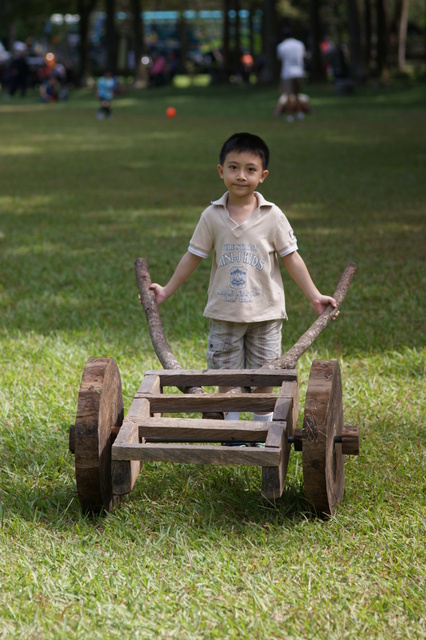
[(262, 345), (226, 351), (226, 346)]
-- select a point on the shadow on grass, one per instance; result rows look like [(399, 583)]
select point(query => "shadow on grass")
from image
[(166, 495)]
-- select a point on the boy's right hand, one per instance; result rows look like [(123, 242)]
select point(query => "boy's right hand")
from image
[(186, 266), (159, 296), (159, 291)]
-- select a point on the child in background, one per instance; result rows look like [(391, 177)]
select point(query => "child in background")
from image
[(105, 90)]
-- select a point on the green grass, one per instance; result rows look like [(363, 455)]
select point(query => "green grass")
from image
[(193, 552)]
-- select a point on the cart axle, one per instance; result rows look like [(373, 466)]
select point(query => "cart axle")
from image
[(349, 439)]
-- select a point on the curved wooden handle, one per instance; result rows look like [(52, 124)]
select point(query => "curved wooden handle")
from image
[(158, 339), (289, 359)]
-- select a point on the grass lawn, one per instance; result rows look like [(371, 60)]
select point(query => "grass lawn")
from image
[(194, 552)]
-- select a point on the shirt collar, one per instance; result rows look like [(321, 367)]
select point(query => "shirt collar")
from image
[(261, 200)]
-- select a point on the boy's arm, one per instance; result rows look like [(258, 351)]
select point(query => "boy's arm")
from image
[(298, 270), (185, 268)]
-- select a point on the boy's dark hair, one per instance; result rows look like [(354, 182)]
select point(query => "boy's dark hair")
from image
[(243, 143)]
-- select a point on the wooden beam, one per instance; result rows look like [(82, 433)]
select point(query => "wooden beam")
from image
[(225, 377), (217, 402), (198, 454), (125, 472), (190, 430), (286, 409), (273, 476)]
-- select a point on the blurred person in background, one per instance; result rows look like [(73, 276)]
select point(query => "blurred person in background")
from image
[(291, 52)]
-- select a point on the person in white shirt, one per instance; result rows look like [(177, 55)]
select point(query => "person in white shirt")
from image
[(291, 52)]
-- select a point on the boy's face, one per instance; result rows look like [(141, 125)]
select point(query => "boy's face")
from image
[(241, 173)]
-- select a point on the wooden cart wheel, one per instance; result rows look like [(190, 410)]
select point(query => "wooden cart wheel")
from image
[(99, 409), (322, 458)]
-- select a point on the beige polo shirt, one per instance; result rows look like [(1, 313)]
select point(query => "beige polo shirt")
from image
[(245, 280)]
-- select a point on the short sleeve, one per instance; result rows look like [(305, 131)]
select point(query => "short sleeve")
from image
[(285, 239), (201, 242)]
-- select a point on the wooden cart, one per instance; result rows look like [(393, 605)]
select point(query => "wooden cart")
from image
[(109, 449)]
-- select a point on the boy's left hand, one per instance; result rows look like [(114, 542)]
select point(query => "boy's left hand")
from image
[(321, 304)]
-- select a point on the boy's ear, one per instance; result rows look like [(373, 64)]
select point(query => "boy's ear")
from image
[(220, 170), (265, 174)]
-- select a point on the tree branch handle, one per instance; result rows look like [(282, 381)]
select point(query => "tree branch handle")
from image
[(147, 295), (289, 359), (158, 339)]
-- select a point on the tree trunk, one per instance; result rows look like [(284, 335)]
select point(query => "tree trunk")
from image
[(355, 40), (382, 38), (84, 9), (111, 36), (251, 32), (403, 22), (270, 41), (237, 53), (140, 71), (226, 64), (317, 72), (367, 34)]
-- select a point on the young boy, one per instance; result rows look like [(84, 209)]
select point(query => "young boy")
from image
[(246, 304)]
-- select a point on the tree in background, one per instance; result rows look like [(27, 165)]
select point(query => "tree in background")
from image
[(402, 33), (357, 70), (270, 40), (84, 9), (21, 18), (317, 72), (374, 41), (111, 35), (140, 73)]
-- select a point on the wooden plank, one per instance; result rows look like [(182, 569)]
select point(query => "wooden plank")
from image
[(173, 403), (191, 430), (151, 384), (221, 377), (198, 454), (275, 434), (138, 410), (125, 472), (273, 477), (286, 408)]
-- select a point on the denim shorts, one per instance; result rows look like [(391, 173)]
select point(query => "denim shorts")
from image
[(243, 345)]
